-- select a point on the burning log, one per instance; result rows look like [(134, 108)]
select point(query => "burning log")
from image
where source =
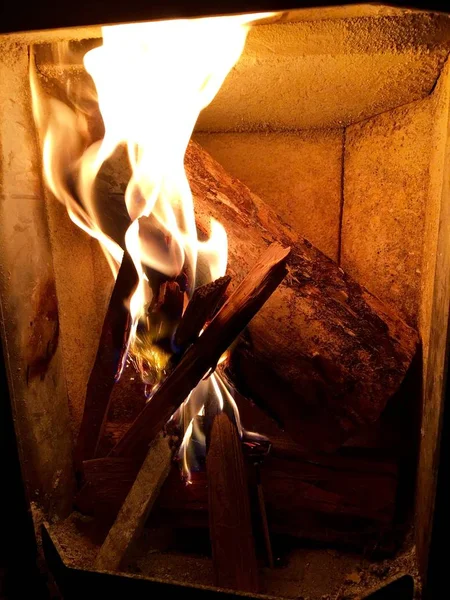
[(102, 377), (324, 355), (230, 523), (204, 354), (162, 321), (226, 464), (136, 507)]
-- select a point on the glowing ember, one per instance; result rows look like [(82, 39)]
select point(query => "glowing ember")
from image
[(152, 81)]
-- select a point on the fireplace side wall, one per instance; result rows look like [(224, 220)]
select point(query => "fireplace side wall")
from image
[(435, 316), (386, 186), (28, 300), (395, 236), (83, 284)]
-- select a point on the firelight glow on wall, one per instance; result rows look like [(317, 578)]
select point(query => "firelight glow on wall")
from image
[(224, 293)]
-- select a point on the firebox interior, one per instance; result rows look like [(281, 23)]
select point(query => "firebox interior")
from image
[(339, 120)]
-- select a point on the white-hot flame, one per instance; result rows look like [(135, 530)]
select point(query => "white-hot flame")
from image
[(152, 81), (212, 389)]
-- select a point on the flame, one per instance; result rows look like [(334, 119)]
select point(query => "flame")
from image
[(214, 390), (64, 132), (152, 80)]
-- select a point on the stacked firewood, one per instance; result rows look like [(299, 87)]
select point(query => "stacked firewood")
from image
[(310, 347)]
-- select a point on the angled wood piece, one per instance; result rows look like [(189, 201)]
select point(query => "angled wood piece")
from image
[(137, 506)]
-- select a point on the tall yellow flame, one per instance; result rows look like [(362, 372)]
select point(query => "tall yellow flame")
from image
[(152, 81)]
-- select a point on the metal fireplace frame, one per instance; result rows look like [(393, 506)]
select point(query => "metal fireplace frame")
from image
[(48, 14)]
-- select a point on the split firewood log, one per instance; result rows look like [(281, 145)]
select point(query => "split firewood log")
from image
[(324, 355)]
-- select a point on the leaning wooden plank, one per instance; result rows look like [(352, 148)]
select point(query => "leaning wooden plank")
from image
[(232, 318), (324, 355), (102, 377), (137, 506)]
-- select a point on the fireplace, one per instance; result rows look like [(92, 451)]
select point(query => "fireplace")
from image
[(323, 157)]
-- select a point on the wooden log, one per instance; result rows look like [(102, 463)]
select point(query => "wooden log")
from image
[(204, 302), (305, 499), (127, 399), (344, 489), (324, 355), (230, 522), (327, 485), (102, 377), (156, 339), (343, 500), (136, 507), (227, 324), (106, 483)]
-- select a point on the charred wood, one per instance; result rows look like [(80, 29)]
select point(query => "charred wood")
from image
[(200, 310)]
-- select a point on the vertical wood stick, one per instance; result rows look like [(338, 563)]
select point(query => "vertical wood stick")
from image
[(102, 377), (137, 506), (230, 525)]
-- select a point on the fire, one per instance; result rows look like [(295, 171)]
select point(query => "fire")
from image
[(211, 389), (152, 81)]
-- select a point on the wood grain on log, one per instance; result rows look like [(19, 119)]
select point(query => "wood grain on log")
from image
[(323, 355), (106, 483), (136, 507), (102, 377), (343, 500), (253, 291), (230, 522), (327, 485), (326, 489)]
